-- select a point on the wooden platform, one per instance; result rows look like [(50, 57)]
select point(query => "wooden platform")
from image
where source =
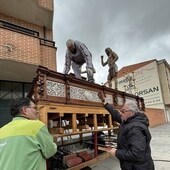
[(70, 106)]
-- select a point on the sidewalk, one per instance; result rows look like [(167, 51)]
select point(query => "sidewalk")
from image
[(160, 145)]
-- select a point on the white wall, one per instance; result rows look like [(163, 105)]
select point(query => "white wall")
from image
[(147, 85)]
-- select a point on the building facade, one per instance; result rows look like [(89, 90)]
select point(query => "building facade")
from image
[(150, 80), (26, 41)]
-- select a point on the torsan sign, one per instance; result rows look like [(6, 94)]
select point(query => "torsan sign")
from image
[(147, 91), (147, 84)]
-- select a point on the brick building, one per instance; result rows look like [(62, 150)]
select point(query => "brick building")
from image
[(26, 41), (150, 80)]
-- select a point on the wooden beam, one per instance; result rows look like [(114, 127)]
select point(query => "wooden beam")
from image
[(43, 115), (74, 123)]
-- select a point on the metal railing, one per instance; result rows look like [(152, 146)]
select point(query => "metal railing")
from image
[(18, 28), (47, 42)]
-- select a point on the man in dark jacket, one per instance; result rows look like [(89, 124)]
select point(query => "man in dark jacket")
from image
[(133, 143)]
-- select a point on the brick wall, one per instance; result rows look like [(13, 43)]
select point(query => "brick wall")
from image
[(19, 47), (48, 58), (47, 4), (156, 116), (28, 49), (25, 48), (28, 25)]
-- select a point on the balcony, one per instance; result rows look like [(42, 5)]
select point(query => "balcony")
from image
[(22, 10), (20, 48)]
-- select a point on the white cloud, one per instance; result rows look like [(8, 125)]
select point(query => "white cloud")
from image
[(136, 30)]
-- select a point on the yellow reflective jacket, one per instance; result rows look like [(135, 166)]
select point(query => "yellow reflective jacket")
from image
[(25, 145)]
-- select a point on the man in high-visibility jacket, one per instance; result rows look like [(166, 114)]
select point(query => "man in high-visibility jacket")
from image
[(25, 142)]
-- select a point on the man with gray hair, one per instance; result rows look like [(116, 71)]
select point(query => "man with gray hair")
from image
[(76, 55), (133, 142)]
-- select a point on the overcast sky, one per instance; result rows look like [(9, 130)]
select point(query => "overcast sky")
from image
[(137, 30)]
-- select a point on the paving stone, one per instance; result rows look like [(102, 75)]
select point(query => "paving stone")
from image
[(160, 146)]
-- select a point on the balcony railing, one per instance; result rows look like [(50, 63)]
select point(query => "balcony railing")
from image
[(47, 42), (23, 30), (18, 28)]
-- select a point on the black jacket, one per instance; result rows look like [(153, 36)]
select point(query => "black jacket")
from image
[(133, 143)]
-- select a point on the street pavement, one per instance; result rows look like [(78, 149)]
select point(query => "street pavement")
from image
[(160, 146)]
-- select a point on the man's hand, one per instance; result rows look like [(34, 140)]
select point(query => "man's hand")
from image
[(112, 151), (102, 96), (109, 150)]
